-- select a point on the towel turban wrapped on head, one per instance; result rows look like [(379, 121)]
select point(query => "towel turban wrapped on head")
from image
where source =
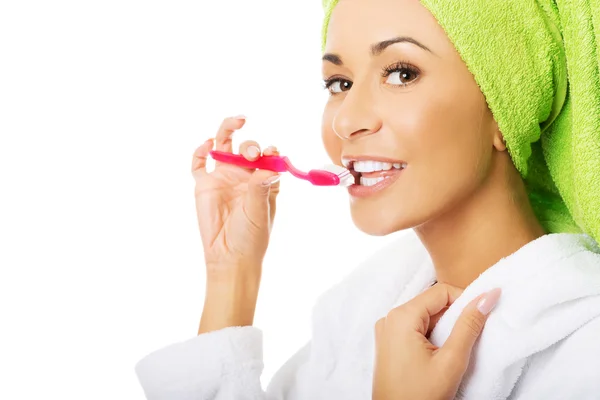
[(537, 62)]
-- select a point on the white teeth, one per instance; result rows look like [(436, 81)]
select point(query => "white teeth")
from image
[(372, 166), (370, 181), (365, 166)]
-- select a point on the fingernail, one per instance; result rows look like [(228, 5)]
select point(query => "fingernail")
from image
[(271, 180), (253, 151), (241, 116), (488, 301)]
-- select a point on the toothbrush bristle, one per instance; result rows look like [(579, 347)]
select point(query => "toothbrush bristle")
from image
[(346, 178), (336, 169)]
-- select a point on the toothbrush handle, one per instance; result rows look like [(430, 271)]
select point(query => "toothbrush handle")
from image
[(271, 163)]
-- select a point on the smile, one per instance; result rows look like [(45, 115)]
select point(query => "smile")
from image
[(372, 174)]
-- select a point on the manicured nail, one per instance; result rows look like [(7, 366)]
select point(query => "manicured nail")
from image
[(271, 180), (253, 151), (241, 116), (488, 301)]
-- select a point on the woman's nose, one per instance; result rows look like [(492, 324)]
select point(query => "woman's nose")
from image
[(356, 116)]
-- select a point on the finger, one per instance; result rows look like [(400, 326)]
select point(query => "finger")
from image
[(468, 327), (273, 193), (435, 319), (379, 331), (257, 197), (250, 150), (228, 126), (436, 298), (379, 325), (200, 156), (430, 303), (275, 188), (271, 151)]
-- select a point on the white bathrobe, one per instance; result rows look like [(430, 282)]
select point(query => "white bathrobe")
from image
[(542, 341)]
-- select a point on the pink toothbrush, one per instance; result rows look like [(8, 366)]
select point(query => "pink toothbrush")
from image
[(334, 175)]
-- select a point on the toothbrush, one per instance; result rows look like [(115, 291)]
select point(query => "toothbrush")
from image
[(332, 175)]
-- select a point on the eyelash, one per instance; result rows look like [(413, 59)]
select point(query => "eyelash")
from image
[(385, 72)]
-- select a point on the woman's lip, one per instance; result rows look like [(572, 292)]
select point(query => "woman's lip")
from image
[(364, 191), (348, 159), (377, 174)]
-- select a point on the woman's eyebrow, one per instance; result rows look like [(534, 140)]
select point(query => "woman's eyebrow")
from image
[(333, 58), (378, 48)]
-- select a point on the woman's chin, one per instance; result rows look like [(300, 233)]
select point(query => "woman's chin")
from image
[(378, 224)]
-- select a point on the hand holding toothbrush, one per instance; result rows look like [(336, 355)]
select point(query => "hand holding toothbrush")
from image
[(235, 207)]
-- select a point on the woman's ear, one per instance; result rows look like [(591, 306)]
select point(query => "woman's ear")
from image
[(499, 141)]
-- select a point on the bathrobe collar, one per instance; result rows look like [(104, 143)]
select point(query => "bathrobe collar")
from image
[(551, 287)]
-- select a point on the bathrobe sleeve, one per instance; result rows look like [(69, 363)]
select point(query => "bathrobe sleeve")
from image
[(220, 365)]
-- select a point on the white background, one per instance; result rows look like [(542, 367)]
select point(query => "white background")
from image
[(101, 107)]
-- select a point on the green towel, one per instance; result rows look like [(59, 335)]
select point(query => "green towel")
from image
[(537, 63)]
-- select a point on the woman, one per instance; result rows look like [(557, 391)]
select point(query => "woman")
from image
[(476, 123)]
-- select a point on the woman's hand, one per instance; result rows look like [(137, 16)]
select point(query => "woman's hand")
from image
[(235, 206), (407, 365)]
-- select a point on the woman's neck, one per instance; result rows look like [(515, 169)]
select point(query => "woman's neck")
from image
[(493, 223)]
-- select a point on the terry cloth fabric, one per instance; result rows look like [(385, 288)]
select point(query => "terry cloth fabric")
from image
[(539, 342)]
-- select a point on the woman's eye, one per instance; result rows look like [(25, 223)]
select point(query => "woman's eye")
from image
[(339, 86), (401, 77)]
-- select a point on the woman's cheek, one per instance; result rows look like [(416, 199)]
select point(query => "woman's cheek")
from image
[(331, 141)]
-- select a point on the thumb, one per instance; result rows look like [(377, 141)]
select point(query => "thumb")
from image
[(468, 327), (257, 196)]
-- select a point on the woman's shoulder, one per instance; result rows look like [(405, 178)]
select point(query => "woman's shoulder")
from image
[(556, 314), (569, 369), (577, 261)]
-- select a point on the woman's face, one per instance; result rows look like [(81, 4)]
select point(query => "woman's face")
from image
[(405, 113)]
